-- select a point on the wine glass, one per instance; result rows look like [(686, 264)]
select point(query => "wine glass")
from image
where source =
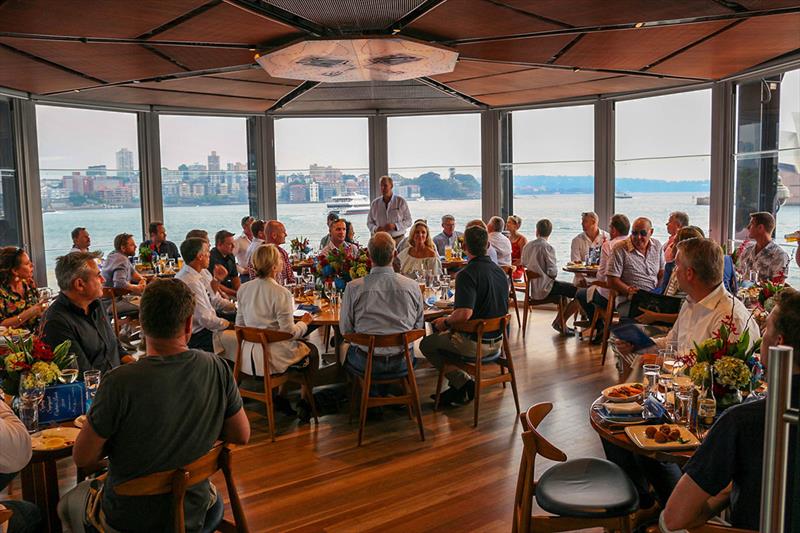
[(45, 294), (69, 372), (91, 380), (31, 393)]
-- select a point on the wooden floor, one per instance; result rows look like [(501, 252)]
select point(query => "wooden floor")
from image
[(315, 478)]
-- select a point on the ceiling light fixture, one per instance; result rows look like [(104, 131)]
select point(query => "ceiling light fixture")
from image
[(639, 25), (358, 59)]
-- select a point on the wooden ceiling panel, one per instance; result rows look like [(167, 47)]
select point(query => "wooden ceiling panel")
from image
[(90, 18), (611, 85), (634, 49), (532, 50), (135, 95), (756, 5), (25, 74), (593, 13), (743, 46), (256, 74), (108, 62), (462, 19), (210, 85), (466, 69), (225, 23), (528, 79), (207, 58)]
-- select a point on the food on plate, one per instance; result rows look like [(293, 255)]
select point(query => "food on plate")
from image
[(665, 433), (651, 432), (49, 443), (665, 429), (660, 437), (626, 391)]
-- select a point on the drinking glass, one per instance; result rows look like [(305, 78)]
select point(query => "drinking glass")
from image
[(753, 277), (91, 380), (45, 294), (683, 387), (69, 372), (667, 360), (651, 372), (31, 393)]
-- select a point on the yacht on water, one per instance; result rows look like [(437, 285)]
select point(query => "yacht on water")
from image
[(622, 196), (349, 204)]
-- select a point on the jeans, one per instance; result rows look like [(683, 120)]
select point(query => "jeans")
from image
[(202, 340), (561, 288), (381, 366), (437, 347)]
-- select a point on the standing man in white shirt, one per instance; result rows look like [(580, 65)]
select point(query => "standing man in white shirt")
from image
[(15, 452), (389, 213), (591, 237), (241, 244), (498, 241)]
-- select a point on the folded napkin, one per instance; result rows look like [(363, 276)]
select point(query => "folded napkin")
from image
[(311, 308), (626, 408), (653, 408)]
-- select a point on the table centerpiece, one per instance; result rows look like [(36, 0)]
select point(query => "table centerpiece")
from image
[(341, 265), (300, 247)]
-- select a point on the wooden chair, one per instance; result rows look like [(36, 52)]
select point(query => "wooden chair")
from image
[(365, 379), (265, 337), (581, 493), (512, 292), (607, 315), (475, 367), (176, 482), (530, 301)]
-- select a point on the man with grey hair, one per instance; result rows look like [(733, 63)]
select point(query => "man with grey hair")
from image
[(389, 213), (77, 315), (676, 221), (381, 303), (591, 239), (498, 241), (448, 236), (635, 263)]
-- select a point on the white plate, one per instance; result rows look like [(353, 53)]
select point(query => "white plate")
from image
[(608, 390), (639, 438), (443, 304), (56, 438), (80, 421)]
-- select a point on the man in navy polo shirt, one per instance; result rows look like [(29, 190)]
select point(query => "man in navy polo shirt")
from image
[(481, 292)]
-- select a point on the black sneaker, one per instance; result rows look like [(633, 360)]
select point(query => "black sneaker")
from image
[(460, 396)]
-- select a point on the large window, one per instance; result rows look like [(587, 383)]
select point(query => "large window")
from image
[(663, 162), (768, 158), (89, 169), (553, 171), (9, 198), (435, 162), (204, 176), (317, 160)]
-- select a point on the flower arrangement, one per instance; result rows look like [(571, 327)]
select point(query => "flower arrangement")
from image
[(768, 290), (335, 265), (32, 357), (300, 246), (146, 254), (458, 247), (361, 264)]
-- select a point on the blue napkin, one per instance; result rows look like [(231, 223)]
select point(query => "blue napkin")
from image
[(653, 409), (311, 308)]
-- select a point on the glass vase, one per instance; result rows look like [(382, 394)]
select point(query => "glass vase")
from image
[(729, 399)]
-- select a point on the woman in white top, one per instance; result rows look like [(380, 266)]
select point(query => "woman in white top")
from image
[(263, 303), (420, 254)]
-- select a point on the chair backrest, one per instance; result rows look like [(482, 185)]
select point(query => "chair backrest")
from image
[(530, 275), (481, 326), (261, 336), (176, 482), (385, 341)]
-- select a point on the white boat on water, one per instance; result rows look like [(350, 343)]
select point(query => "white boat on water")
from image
[(622, 196), (349, 204)]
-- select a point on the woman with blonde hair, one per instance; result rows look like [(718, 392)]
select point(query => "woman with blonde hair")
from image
[(420, 254), (518, 242), (264, 303)]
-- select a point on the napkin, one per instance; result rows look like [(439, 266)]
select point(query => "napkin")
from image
[(626, 408), (311, 308)]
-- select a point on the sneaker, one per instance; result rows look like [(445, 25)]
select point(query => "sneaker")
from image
[(460, 396)]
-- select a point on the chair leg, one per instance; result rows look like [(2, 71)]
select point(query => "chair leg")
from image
[(502, 373), (270, 413), (439, 383), (516, 309), (353, 387), (606, 335), (593, 325), (525, 318), (406, 392), (412, 381), (513, 374), (477, 400), (310, 396), (365, 398)]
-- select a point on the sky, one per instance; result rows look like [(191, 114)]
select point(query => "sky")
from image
[(672, 131)]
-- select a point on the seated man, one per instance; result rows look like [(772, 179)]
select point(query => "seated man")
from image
[(481, 292), (448, 236), (726, 470), (276, 234), (498, 241), (15, 452), (160, 413), (592, 237), (207, 327), (763, 256), (539, 256), (336, 237), (241, 244), (381, 303), (77, 315), (259, 237), (119, 273), (332, 217), (677, 220), (158, 241), (636, 263), (490, 251), (222, 255), (80, 240)]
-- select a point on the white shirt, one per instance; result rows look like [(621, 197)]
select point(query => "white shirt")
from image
[(205, 316), (265, 304), (352, 248), (579, 248), (241, 245), (605, 257), (15, 443), (409, 263), (540, 257), (395, 212), (697, 321), (502, 245)]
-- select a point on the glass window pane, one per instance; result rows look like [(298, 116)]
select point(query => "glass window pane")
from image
[(317, 159), (553, 172), (663, 158), (89, 168), (435, 162), (9, 196), (204, 164)]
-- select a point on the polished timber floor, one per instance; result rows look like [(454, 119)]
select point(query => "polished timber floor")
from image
[(315, 478)]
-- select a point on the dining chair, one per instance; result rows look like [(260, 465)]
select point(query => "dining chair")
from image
[(366, 379), (476, 366), (176, 482), (530, 301), (512, 290), (607, 315), (579, 493), (265, 337), (111, 294)]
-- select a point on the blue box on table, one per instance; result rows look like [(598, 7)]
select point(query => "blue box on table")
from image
[(62, 402)]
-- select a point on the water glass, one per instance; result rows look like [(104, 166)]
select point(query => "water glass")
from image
[(31, 394), (69, 372), (683, 387), (651, 372), (45, 294), (91, 380), (753, 277)]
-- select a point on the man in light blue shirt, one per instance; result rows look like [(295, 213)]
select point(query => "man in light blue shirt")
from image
[(448, 236), (381, 303)]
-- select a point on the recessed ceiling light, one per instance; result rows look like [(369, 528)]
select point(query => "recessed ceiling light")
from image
[(639, 25)]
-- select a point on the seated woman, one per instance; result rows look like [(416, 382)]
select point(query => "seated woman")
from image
[(350, 233), (518, 242), (420, 255), (264, 303), (19, 300)]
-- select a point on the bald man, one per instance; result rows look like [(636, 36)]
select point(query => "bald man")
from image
[(276, 234)]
